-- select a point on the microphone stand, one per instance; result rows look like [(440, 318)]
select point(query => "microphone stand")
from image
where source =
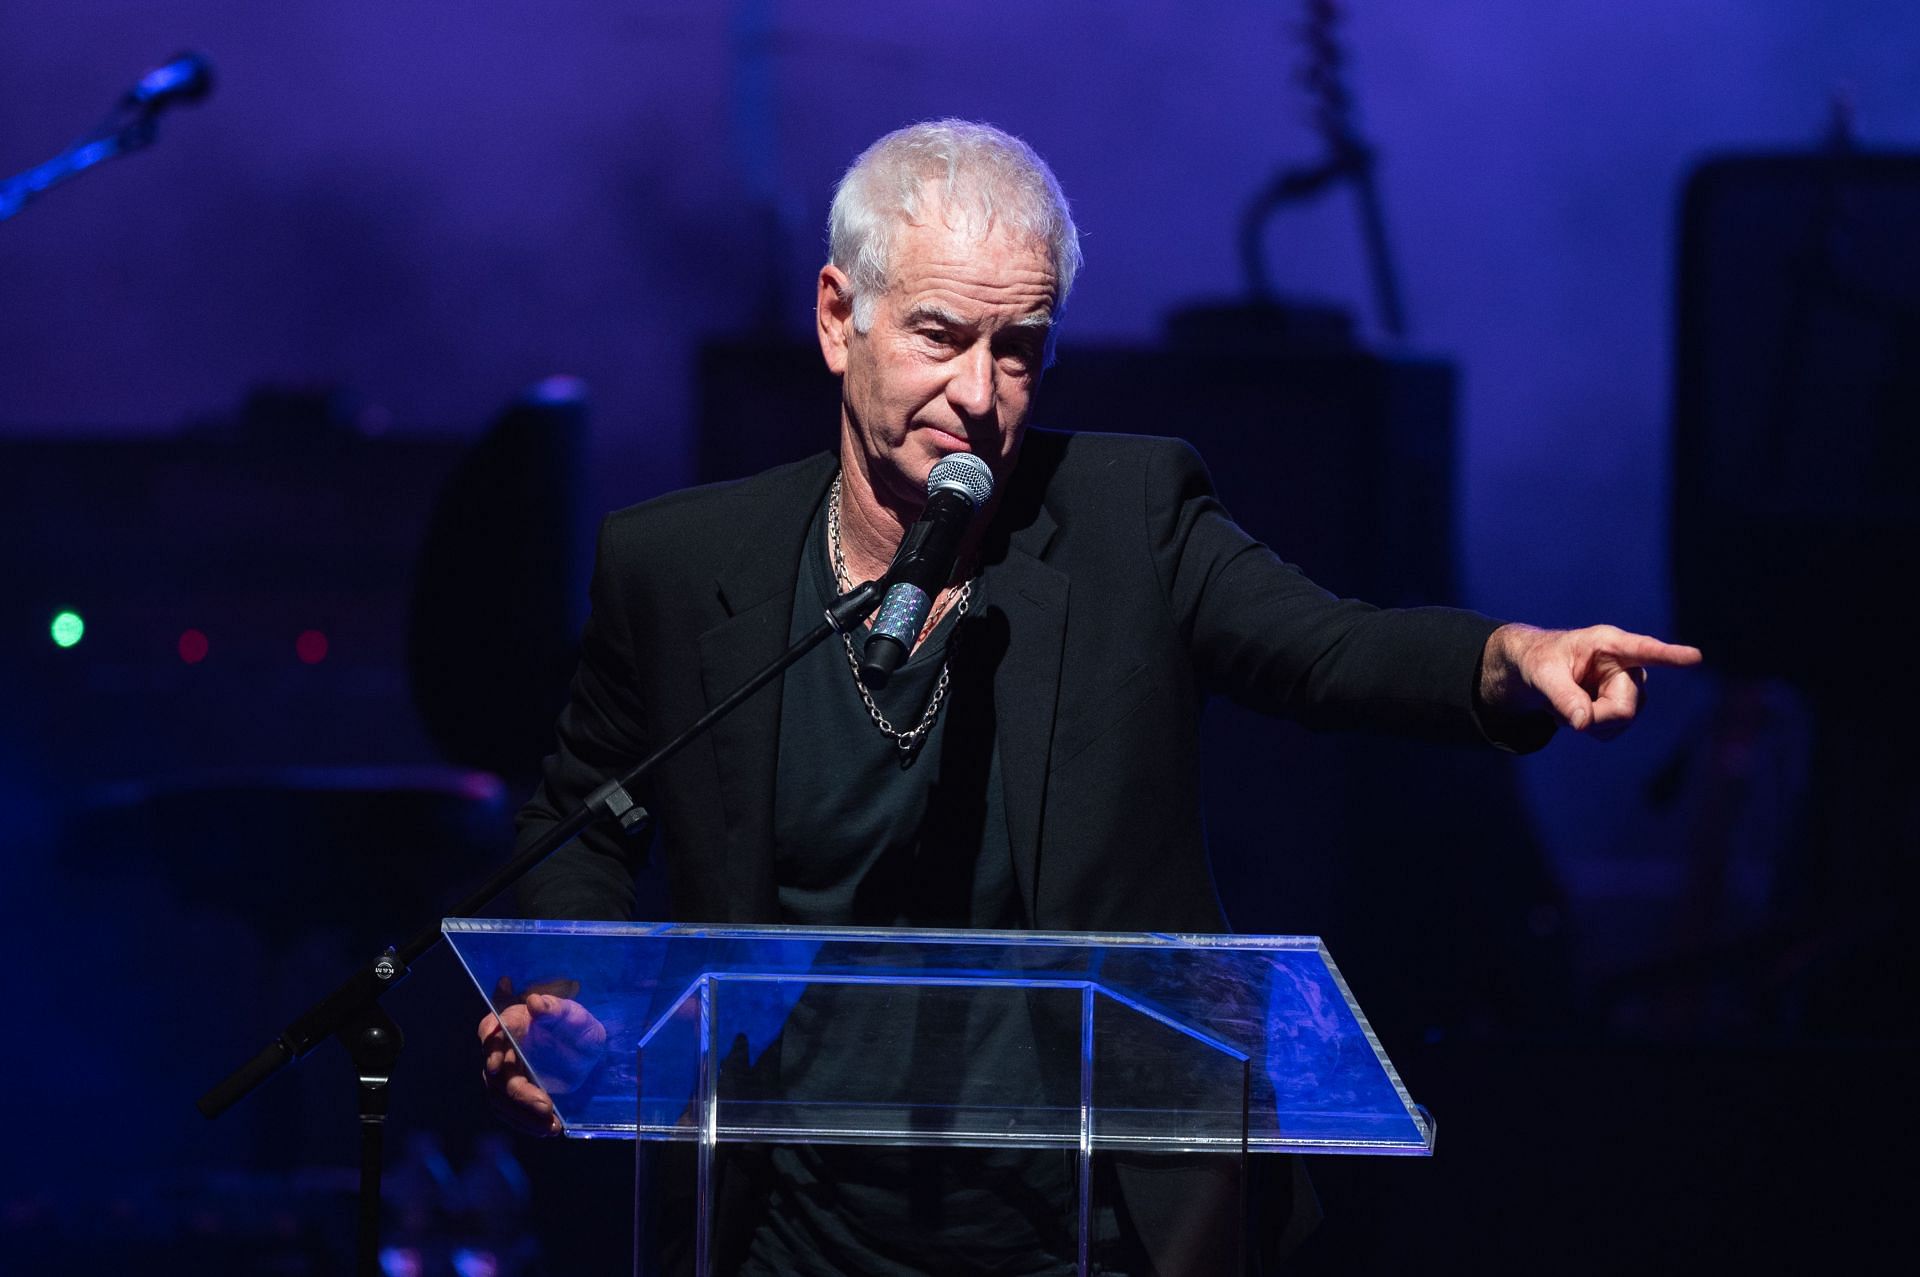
[(352, 1013), (131, 126)]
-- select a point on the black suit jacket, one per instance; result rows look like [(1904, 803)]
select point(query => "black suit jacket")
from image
[(1122, 595)]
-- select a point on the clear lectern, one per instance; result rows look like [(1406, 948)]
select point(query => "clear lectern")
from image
[(1083, 1042)]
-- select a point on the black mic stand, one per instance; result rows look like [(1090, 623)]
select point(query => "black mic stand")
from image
[(131, 126), (352, 1012)]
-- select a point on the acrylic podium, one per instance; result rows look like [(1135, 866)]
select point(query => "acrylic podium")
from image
[(1083, 1042)]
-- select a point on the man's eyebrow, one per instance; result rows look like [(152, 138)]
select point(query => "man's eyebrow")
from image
[(937, 313)]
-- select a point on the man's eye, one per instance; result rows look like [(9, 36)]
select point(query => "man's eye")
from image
[(937, 336)]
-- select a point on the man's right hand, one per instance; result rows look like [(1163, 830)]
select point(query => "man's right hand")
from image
[(568, 1041)]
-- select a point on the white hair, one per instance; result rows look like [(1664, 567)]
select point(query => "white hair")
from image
[(983, 177)]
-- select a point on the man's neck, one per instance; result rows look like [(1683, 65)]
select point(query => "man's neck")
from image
[(874, 520), (872, 524)]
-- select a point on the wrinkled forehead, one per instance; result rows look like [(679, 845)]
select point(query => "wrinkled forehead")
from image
[(979, 251)]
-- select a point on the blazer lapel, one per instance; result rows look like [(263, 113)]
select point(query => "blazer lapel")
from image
[(1034, 597), (755, 588)]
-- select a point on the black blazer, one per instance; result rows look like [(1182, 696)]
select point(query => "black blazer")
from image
[(1122, 595)]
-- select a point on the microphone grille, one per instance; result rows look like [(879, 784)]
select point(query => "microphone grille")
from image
[(964, 473)]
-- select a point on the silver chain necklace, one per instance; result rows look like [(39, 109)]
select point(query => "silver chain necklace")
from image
[(908, 741)]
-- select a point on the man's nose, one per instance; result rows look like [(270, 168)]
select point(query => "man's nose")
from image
[(972, 388)]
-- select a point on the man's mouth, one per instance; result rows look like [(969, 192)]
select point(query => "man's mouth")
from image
[(948, 441)]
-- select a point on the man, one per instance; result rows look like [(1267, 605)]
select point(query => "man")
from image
[(1034, 764)]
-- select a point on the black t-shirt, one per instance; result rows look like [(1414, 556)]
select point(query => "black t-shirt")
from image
[(866, 835)]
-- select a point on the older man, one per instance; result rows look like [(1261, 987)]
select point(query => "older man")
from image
[(1035, 761)]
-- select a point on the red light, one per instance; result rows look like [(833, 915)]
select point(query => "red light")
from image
[(193, 646), (311, 647)]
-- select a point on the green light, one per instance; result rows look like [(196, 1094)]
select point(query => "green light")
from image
[(67, 628)]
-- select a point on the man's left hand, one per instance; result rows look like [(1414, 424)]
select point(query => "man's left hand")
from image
[(1592, 680)]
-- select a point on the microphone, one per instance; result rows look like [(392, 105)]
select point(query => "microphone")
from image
[(187, 78), (129, 126), (959, 485)]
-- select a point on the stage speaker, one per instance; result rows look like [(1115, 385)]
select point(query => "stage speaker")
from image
[(1796, 437), (500, 586)]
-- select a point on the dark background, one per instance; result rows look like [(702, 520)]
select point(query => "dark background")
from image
[(1653, 991)]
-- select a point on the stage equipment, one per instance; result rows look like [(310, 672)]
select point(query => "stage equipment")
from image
[(1796, 402), (1349, 158), (132, 124), (1795, 537), (196, 560), (500, 585)]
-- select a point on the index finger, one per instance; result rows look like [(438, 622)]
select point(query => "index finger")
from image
[(1644, 649)]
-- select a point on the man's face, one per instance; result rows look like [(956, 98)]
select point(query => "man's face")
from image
[(952, 358)]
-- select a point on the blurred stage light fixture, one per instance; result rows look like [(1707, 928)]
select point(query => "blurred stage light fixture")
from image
[(310, 647), (67, 629)]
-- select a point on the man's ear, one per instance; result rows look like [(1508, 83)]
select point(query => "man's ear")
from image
[(833, 317)]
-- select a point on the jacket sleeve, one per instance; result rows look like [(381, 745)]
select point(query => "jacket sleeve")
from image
[(600, 733), (1262, 634)]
